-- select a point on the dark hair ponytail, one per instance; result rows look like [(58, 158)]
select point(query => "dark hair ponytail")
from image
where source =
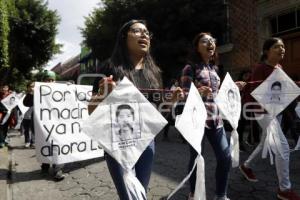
[(267, 46)]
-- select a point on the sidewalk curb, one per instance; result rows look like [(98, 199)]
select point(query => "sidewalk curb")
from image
[(4, 173)]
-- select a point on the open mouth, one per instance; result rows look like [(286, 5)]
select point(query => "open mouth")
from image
[(210, 49), (143, 42)]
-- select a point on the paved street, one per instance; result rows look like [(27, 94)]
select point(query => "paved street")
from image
[(91, 180)]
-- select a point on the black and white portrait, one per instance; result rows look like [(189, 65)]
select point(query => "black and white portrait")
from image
[(232, 102), (195, 117), (125, 122), (10, 101), (275, 91), (231, 99)]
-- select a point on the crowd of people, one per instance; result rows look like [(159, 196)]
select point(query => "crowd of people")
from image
[(131, 57)]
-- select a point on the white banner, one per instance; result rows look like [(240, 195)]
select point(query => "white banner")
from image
[(59, 110)]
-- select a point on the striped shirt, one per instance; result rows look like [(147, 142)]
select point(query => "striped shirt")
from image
[(204, 75)]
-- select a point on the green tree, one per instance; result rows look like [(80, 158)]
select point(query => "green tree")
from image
[(173, 22), (4, 32), (33, 27)]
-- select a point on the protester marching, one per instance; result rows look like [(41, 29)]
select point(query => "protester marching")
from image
[(127, 114)]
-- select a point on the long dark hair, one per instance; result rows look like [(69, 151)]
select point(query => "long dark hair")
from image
[(121, 64), (194, 56), (267, 46)]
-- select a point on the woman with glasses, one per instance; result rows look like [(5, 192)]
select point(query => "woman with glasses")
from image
[(131, 58), (202, 70)]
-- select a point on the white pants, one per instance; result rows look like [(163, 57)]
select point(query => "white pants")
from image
[(282, 164)]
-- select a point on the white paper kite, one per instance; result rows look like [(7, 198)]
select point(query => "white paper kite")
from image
[(124, 124), (229, 103), (191, 125), (274, 135), (276, 92), (11, 101), (21, 106)]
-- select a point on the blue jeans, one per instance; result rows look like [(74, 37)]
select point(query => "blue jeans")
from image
[(218, 140), (3, 132), (28, 131), (143, 169)]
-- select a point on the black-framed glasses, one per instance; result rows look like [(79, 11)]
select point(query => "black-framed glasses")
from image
[(140, 31), (211, 40)]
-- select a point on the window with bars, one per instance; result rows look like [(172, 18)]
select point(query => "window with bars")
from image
[(285, 22)]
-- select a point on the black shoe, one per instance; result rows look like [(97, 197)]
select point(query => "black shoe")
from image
[(59, 176), (45, 168)]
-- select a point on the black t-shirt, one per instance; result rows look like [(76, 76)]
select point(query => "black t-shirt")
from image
[(139, 80)]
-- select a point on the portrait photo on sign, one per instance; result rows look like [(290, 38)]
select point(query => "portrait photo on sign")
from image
[(11, 101), (125, 120), (232, 101), (276, 90), (195, 116)]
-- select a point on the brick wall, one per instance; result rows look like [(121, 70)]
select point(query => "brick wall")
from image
[(244, 37)]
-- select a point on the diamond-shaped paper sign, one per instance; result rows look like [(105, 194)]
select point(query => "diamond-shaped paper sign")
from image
[(276, 92), (124, 123), (229, 101), (11, 100), (191, 123)]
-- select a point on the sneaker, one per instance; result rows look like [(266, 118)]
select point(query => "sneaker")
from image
[(27, 145), (287, 195), (32, 146), (191, 196), (248, 174), (1, 145), (59, 176)]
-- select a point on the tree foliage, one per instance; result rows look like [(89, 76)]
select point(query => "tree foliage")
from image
[(33, 31), (173, 22), (4, 32), (33, 28)]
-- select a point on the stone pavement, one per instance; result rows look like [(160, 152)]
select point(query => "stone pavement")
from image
[(90, 179)]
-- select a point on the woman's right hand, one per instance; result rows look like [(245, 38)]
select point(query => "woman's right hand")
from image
[(178, 94), (204, 91), (106, 85)]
